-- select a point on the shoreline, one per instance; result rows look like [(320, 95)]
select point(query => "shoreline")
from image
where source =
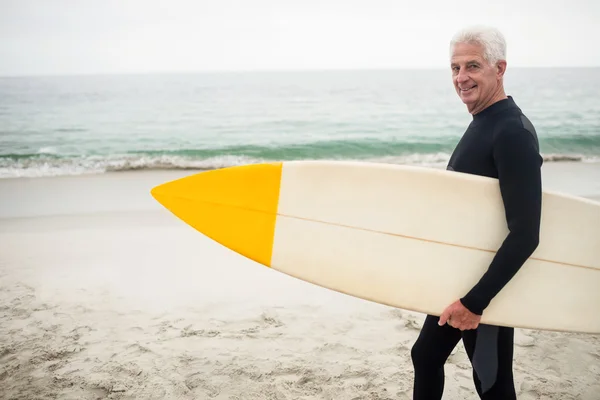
[(130, 190)]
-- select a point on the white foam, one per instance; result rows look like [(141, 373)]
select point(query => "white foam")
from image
[(51, 166)]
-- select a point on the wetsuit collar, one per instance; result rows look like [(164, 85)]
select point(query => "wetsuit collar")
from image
[(498, 106)]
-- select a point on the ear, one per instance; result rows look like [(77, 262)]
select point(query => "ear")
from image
[(500, 68)]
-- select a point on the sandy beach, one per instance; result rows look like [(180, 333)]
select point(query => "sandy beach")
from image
[(104, 294)]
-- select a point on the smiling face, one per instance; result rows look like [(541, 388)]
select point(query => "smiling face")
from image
[(477, 83)]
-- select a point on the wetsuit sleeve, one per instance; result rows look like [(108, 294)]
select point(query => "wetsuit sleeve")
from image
[(518, 161)]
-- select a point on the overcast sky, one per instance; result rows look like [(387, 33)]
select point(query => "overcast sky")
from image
[(113, 36)]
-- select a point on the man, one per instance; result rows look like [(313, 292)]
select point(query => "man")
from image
[(501, 143)]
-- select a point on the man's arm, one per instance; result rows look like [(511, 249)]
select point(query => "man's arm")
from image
[(518, 161)]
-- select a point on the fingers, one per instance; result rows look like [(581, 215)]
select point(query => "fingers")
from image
[(444, 317), (466, 326), (457, 316), (459, 321)]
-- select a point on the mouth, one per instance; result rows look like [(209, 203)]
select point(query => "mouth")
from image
[(467, 90)]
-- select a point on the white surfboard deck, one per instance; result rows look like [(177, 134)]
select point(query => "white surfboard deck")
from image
[(419, 238)]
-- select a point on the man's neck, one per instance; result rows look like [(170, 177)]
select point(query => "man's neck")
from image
[(498, 96)]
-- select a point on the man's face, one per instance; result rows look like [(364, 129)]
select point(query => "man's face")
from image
[(477, 83)]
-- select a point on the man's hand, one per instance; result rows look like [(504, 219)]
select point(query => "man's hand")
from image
[(459, 317)]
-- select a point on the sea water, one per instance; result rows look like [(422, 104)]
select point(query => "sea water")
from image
[(64, 125)]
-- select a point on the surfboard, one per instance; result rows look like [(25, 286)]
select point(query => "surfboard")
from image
[(410, 237)]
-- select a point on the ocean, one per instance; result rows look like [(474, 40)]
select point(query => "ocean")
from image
[(66, 125)]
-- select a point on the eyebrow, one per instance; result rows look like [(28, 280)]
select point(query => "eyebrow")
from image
[(454, 64)]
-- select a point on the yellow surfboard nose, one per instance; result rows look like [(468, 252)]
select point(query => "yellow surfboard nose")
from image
[(235, 206)]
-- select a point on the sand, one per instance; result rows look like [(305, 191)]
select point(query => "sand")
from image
[(104, 295)]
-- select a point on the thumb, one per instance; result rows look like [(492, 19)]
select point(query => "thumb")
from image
[(444, 317)]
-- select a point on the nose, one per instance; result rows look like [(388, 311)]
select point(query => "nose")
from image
[(234, 206), (462, 75)]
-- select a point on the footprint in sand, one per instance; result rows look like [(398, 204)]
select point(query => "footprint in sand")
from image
[(336, 348), (527, 391), (401, 349), (6, 351), (49, 354), (44, 307), (412, 323), (137, 349), (188, 331), (76, 333), (271, 318)]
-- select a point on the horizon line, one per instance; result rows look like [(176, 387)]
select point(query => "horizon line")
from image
[(262, 70)]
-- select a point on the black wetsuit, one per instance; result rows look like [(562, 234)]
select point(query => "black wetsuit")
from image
[(500, 143)]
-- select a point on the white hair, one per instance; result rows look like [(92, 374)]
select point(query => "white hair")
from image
[(491, 39)]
